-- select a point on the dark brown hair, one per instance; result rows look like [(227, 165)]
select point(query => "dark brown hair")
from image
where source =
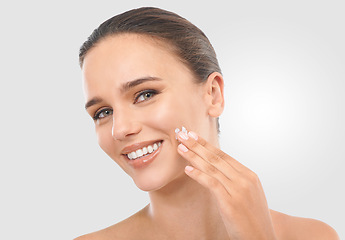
[(189, 43)]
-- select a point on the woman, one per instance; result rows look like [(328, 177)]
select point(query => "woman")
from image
[(155, 91)]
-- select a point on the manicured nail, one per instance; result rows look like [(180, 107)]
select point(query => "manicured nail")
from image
[(188, 168), (182, 148), (183, 135), (193, 135)]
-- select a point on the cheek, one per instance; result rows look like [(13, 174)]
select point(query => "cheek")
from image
[(107, 144), (165, 116), (171, 113), (104, 138)]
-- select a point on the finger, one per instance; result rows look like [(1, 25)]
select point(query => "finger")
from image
[(222, 196), (215, 186), (208, 162), (197, 144), (206, 168), (219, 161)]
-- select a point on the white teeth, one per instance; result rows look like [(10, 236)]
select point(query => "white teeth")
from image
[(150, 149), (145, 150), (132, 155), (139, 153)]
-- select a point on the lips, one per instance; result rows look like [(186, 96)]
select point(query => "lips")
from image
[(142, 154)]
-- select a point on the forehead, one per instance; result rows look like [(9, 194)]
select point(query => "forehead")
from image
[(119, 59), (128, 55)]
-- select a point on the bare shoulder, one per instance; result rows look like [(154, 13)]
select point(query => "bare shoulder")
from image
[(120, 231), (290, 227)]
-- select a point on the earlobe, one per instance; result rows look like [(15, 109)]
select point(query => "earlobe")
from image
[(215, 94)]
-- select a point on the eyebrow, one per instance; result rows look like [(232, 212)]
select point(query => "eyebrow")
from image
[(125, 87), (92, 102)]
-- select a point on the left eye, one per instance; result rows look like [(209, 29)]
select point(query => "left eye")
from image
[(145, 95)]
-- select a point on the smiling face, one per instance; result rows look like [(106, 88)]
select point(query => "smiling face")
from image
[(138, 93)]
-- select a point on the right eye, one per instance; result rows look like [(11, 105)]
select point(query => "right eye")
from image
[(103, 113)]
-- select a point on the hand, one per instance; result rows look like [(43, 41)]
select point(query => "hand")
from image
[(239, 194)]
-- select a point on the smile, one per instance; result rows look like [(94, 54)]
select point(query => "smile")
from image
[(141, 152), (140, 155)]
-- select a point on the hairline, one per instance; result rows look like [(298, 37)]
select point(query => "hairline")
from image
[(163, 43)]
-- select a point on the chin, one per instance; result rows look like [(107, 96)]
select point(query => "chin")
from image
[(155, 181), (148, 186)]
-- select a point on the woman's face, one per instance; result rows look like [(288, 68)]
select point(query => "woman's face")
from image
[(138, 93)]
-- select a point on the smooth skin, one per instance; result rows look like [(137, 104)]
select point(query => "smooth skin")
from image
[(196, 190)]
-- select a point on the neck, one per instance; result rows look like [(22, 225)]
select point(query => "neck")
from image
[(185, 208)]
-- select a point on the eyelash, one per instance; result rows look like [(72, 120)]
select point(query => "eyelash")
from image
[(98, 113), (137, 96), (141, 93)]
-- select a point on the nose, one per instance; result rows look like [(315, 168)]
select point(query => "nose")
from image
[(124, 125)]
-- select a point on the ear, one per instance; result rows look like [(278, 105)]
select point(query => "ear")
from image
[(214, 94)]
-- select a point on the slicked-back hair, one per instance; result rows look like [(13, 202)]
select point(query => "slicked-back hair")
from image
[(187, 41)]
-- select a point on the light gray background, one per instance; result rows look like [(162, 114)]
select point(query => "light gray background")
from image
[(283, 64)]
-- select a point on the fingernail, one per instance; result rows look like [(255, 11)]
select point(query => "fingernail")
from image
[(183, 135), (193, 135), (182, 148), (188, 168)]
